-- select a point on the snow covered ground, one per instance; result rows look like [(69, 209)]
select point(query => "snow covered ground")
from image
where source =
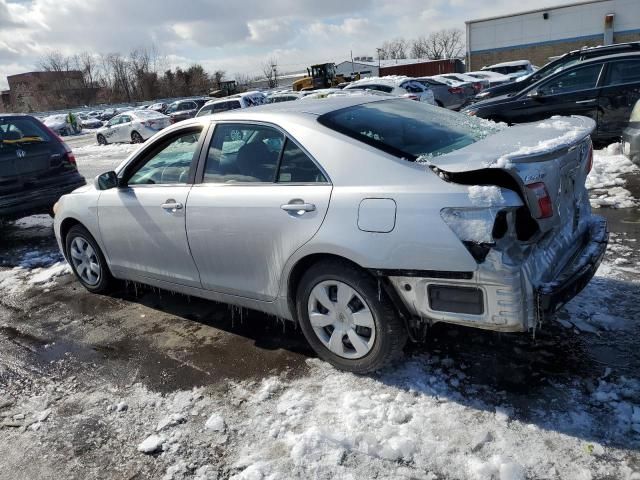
[(606, 181), (430, 417)]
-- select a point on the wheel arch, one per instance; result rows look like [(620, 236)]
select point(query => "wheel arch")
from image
[(65, 226), (301, 266)]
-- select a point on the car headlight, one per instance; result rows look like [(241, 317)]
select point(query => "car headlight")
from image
[(56, 206)]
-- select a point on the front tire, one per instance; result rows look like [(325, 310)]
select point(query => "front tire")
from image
[(102, 140), (87, 261), (347, 319)]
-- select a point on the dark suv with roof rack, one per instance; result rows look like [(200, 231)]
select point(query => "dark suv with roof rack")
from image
[(567, 60), (36, 167)]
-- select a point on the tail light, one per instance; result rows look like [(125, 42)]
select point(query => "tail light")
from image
[(456, 90), (545, 208), (411, 96), (590, 158)]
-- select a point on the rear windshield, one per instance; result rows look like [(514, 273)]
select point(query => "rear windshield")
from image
[(408, 129), (22, 130)]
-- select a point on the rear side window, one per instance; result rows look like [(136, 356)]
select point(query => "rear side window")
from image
[(408, 129), (22, 130), (413, 87), (297, 167), (623, 72), (573, 81)]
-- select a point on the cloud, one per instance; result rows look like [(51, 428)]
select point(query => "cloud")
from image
[(233, 35)]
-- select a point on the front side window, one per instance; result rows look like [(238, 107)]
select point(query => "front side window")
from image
[(576, 80), (623, 72), (408, 129), (297, 167), (114, 121), (243, 153), (171, 163)]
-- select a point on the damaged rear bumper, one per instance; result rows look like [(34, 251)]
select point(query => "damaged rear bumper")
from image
[(577, 274), (505, 296)]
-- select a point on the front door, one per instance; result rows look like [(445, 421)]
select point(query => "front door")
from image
[(620, 92), (261, 198), (570, 93), (142, 222)]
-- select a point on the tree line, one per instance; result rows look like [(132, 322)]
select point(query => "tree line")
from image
[(438, 45), (141, 75)]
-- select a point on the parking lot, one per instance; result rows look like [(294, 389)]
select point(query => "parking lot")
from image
[(149, 384)]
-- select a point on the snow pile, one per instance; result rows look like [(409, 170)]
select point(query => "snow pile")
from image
[(605, 180), (34, 268), (570, 136), (485, 196)]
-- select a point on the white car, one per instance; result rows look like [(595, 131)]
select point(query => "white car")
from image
[(135, 126), (399, 86), (61, 126), (513, 70), (241, 100), (494, 78)]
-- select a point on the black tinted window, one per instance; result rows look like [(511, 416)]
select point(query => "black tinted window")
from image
[(297, 167), (579, 79), (243, 153), (380, 88), (623, 72), (408, 129)]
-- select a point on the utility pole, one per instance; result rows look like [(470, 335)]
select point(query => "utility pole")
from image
[(274, 67)]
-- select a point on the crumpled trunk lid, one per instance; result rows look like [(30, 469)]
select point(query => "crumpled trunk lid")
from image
[(554, 152)]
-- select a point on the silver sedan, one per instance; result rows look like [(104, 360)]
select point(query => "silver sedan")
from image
[(364, 219)]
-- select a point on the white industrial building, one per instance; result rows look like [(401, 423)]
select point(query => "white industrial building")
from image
[(539, 34)]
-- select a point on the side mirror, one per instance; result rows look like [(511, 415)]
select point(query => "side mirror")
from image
[(106, 181), (536, 95)]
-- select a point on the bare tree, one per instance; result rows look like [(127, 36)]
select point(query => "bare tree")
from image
[(270, 70), (242, 81), (55, 61), (393, 49)]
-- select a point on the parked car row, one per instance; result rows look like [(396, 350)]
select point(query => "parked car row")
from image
[(601, 83)]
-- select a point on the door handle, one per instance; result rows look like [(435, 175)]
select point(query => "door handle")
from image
[(592, 100), (172, 206), (298, 206)]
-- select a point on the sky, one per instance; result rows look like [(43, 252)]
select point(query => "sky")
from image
[(236, 36)]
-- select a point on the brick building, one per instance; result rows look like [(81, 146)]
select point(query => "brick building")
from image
[(538, 35), (38, 91)]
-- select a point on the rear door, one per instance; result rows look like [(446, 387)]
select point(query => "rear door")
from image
[(620, 91), (123, 129), (261, 198), (574, 92)]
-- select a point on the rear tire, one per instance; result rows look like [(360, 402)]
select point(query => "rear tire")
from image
[(102, 140), (136, 137), (87, 261), (355, 326)]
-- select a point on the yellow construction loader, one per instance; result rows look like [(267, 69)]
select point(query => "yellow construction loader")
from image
[(320, 76)]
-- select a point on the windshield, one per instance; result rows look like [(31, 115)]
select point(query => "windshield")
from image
[(380, 88), (408, 129)]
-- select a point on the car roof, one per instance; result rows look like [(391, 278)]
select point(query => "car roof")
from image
[(312, 107), (514, 63), (613, 56)]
